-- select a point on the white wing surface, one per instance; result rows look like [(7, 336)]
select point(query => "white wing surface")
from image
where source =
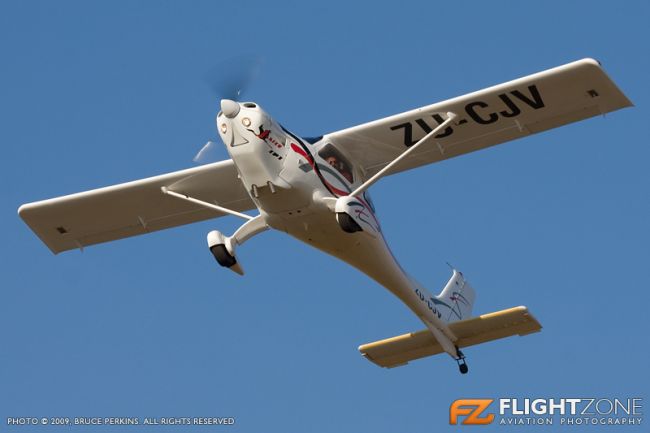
[(134, 208), (501, 113)]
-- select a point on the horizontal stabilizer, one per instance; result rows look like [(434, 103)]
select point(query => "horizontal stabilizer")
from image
[(396, 351)]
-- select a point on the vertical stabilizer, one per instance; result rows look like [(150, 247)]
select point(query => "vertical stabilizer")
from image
[(456, 300)]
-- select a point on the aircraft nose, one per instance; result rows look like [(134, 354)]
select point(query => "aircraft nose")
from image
[(229, 108)]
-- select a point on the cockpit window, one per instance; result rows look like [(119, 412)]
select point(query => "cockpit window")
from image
[(337, 161)]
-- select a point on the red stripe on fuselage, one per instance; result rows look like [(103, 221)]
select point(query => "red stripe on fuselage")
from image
[(332, 188)]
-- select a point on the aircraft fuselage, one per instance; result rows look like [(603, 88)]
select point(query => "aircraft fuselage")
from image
[(295, 183)]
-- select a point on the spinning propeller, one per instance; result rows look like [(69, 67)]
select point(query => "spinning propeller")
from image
[(228, 79)]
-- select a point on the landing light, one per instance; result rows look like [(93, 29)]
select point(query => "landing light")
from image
[(246, 121), (224, 128)]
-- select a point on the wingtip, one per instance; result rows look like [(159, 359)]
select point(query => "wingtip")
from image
[(588, 61), (21, 209)]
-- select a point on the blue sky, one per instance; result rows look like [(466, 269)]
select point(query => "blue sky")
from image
[(97, 93)]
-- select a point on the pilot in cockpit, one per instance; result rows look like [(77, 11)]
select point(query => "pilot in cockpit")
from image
[(336, 161)]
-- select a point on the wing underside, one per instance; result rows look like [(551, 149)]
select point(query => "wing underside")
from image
[(134, 208), (501, 113)]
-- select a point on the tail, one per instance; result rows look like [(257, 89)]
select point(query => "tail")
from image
[(454, 304), (456, 300)]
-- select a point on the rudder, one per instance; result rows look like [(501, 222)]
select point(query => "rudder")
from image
[(456, 300)]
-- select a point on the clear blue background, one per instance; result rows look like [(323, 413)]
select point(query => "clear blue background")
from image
[(97, 93)]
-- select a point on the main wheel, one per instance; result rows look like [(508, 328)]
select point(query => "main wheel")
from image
[(223, 257), (463, 368), (347, 223)]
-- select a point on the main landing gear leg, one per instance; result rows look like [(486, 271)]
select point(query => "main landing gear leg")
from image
[(462, 364), (223, 247)]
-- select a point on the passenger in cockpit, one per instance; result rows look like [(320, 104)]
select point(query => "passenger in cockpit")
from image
[(340, 166)]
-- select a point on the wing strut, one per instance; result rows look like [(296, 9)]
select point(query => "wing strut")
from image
[(450, 117), (205, 204)]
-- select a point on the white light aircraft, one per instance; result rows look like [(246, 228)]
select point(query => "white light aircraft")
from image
[(316, 190)]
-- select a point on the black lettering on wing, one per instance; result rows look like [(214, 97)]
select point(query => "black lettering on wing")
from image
[(427, 129), (408, 133), (448, 130), (484, 119), (534, 101), (514, 110), (422, 124), (477, 111)]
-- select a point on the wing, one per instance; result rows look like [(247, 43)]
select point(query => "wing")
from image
[(535, 103), (397, 351), (134, 208)]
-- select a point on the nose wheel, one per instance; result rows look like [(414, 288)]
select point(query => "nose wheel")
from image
[(460, 360)]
